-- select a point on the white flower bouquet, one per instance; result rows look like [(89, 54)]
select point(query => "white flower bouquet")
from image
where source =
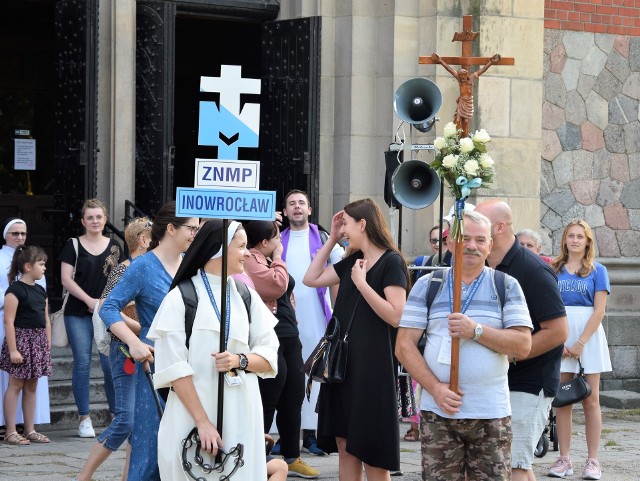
[(463, 164)]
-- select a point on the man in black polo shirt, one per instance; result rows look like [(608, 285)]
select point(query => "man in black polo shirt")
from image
[(533, 382)]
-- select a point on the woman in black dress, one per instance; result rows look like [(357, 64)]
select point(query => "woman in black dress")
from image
[(359, 418)]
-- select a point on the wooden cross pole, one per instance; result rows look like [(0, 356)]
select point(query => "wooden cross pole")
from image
[(462, 116)]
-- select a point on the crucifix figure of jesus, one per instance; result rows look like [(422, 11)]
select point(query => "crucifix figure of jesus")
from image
[(466, 79), (464, 110)]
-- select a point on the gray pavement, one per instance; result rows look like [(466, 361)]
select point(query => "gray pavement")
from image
[(62, 459)]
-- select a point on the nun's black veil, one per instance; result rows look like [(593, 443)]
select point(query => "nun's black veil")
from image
[(205, 244)]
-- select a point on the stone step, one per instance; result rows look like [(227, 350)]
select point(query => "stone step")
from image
[(63, 369), (620, 399), (61, 393), (66, 417), (64, 414)]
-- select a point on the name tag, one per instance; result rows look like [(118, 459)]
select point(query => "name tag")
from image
[(444, 356)]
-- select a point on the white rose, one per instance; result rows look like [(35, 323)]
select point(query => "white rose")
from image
[(471, 167), (466, 145), (450, 129), (450, 161), (440, 143), (481, 136), (486, 161)]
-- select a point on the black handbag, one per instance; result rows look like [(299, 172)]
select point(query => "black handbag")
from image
[(572, 391), (328, 361)]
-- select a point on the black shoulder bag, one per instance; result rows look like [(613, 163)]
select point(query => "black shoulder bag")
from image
[(573, 391), (328, 361)]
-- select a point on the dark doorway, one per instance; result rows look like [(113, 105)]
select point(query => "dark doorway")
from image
[(202, 46), (27, 86), (27, 105)]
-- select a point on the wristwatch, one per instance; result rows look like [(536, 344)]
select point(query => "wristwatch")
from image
[(244, 362), (477, 332)]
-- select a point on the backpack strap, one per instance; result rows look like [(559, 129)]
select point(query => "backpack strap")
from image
[(434, 286), (243, 290), (190, 299), (499, 280)]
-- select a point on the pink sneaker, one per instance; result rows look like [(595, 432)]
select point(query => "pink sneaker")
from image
[(561, 468), (591, 469)]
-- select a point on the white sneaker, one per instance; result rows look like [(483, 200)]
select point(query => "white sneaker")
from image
[(85, 429)]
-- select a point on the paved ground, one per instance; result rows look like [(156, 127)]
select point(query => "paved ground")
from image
[(61, 460)]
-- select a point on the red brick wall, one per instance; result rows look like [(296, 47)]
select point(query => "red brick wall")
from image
[(621, 17)]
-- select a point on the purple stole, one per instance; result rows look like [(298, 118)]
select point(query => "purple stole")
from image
[(315, 244)]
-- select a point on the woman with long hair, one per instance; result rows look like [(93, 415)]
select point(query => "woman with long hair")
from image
[(146, 281), (191, 366), (137, 235), (584, 286), (84, 274), (285, 393), (373, 287)]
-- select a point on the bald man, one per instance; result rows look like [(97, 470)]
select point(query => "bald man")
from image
[(534, 380)]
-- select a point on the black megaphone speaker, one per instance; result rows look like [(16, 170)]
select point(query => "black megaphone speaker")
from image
[(417, 101), (415, 184)]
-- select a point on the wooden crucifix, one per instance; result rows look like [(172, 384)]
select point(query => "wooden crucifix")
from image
[(465, 78), (464, 112)]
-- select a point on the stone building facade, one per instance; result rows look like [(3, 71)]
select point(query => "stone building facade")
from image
[(591, 138), (564, 119), (590, 154)]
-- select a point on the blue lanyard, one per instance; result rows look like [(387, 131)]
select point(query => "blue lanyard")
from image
[(215, 306), (467, 301)]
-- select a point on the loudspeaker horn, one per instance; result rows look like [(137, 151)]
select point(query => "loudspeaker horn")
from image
[(417, 101), (415, 184)]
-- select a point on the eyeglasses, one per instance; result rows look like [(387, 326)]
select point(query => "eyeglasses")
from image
[(433, 241), (17, 234), (193, 228)]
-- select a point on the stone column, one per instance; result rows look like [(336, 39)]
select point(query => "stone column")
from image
[(122, 95)]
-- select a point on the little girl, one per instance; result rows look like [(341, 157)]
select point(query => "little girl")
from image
[(26, 348)]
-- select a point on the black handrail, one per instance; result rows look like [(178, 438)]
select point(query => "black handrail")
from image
[(131, 212)]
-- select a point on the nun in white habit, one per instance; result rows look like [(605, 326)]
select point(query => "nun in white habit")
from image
[(252, 348)]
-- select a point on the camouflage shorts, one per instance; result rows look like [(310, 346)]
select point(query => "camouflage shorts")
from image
[(459, 449)]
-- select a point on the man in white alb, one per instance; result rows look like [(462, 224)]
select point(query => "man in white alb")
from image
[(301, 240)]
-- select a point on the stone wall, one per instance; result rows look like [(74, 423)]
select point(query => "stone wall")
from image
[(591, 138)]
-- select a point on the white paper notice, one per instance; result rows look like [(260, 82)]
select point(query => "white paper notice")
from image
[(25, 154)]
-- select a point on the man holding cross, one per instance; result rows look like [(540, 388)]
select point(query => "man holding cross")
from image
[(466, 435)]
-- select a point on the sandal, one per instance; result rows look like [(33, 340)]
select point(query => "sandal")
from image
[(35, 437), (413, 434), (16, 440)]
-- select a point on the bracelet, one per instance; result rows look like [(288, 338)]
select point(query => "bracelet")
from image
[(580, 342)]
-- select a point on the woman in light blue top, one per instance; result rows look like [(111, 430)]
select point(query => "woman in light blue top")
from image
[(147, 282)]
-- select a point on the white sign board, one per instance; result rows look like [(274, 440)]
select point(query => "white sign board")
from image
[(25, 154), (227, 174)]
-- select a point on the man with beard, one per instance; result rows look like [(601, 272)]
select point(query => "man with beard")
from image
[(301, 240)]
